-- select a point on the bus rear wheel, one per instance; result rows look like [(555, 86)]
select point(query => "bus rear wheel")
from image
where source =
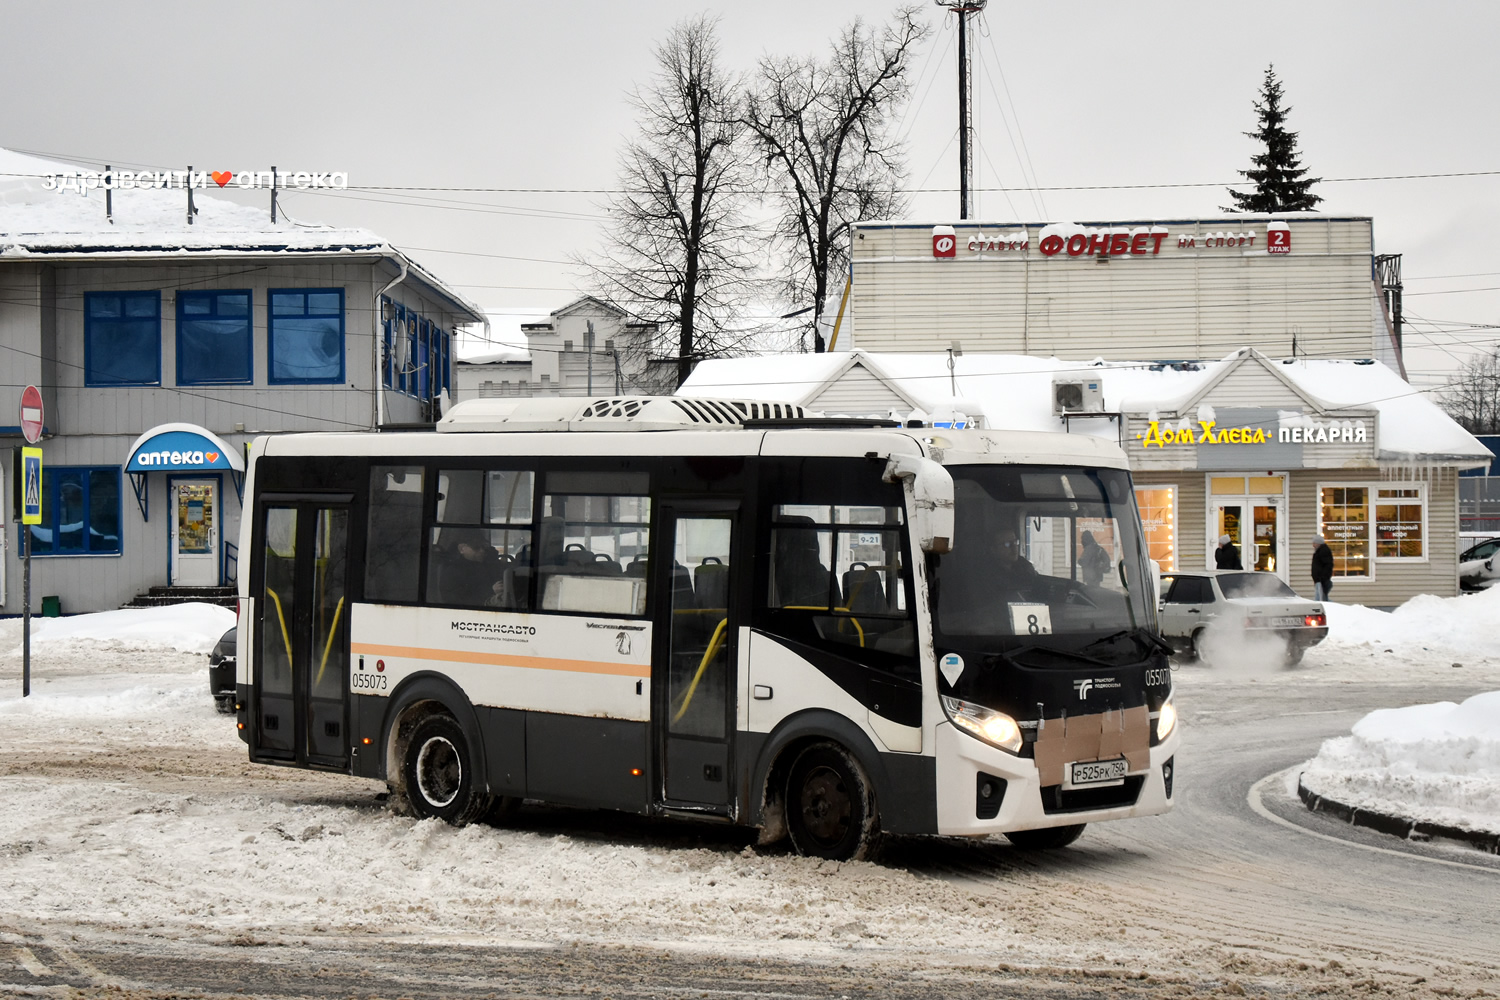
[(1049, 839), (830, 805), (438, 773)]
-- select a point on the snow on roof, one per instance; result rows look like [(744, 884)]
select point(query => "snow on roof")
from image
[(36, 219), (1014, 392)]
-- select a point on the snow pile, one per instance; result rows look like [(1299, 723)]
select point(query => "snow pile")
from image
[(1462, 627), (1439, 763), (188, 628)]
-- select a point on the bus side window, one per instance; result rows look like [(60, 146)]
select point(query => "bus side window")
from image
[(588, 536), (837, 577), (481, 543), (393, 546)]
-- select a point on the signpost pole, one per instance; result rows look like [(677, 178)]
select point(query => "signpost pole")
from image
[(32, 423), (25, 611)]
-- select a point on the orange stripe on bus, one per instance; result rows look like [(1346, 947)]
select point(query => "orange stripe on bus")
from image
[(503, 660)]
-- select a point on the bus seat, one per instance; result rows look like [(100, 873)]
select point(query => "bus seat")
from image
[(576, 555), (711, 583), (863, 590), (604, 565), (638, 568)]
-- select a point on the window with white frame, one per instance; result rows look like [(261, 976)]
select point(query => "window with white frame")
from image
[(1399, 520), (1365, 522)]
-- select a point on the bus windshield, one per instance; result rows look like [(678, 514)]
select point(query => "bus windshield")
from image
[(1043, 557)]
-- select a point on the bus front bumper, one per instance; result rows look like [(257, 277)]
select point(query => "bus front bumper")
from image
[(967, 790)]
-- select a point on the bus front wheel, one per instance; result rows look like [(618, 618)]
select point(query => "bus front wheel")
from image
[(830, 805), (438, 773)]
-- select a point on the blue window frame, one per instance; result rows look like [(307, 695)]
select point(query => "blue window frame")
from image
[(80, 512), (214, 340), (121, 338), (388, 325), (423, 360), (305, 334), (418, 354)]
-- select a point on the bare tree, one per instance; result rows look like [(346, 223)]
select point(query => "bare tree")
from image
[(677, 247), (1472, 397), (826, 131)]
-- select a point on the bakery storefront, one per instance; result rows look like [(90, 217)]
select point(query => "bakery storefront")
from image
[(1259, 454)]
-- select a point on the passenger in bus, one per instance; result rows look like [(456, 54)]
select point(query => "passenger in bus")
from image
[(1093, 561), (471, 570)]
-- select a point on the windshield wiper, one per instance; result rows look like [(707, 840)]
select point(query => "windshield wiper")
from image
[(1152, 639), (1010, 657)]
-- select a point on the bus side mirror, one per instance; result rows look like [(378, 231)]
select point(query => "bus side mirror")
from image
[(929, 491)]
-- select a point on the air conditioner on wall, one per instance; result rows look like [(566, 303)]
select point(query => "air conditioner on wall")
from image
[(1075, 395)]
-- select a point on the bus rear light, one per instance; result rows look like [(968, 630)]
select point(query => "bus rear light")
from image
[(241, 725), (1316, 621), (367, 741), (635, 772)]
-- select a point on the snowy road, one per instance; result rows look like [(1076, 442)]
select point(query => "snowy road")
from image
[(139, 850)]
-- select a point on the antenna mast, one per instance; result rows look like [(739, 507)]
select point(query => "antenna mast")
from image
[(964, 8)]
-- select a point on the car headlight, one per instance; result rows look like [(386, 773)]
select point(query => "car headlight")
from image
[(1166, 720), (993, 727)]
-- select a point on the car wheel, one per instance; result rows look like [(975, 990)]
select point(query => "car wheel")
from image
[(1294, 651), (1045, 840), (438, 773), (1198, 642), (830, 805), (225, 705)]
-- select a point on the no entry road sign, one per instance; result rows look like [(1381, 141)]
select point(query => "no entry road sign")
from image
[(31, 414)]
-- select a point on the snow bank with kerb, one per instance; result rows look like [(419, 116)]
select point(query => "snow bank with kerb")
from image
[(1439, 763)]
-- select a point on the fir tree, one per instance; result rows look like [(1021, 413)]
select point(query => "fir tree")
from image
[(1278, 172)]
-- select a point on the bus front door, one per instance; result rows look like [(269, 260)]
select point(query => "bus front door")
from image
[(694, 665), (301, 673)]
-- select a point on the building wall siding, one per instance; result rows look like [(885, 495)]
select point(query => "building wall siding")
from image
[(1201, 302)]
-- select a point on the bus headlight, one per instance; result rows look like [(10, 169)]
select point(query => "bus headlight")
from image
[(993, 727), (1166, 720)]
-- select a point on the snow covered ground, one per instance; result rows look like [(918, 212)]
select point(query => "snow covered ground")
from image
[(128, 805)]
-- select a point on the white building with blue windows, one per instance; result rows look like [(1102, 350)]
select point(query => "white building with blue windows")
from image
[(162, 344)]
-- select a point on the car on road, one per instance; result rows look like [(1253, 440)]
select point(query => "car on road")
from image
[(221, 671), (1478, 569), (1198, 609)]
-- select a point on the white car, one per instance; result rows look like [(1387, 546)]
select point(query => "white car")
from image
[(1478, 569), (1197, 606)]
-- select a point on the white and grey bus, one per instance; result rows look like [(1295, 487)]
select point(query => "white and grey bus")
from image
[(735, 611)]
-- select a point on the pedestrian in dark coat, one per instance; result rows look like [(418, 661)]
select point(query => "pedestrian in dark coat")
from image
[(1227, 555), (1322, 569)]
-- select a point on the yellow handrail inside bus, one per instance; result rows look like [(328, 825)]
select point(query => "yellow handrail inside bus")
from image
[(333, 630), (286, 639), (815, 607), (708, 655)]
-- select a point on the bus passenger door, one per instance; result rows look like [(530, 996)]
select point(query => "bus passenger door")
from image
[(693, 672), (301, 674)]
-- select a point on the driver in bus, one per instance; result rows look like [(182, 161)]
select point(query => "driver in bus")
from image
[(1015, 570)]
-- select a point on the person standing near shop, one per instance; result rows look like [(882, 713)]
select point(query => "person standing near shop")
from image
[(1322, 569), (1227, 555)]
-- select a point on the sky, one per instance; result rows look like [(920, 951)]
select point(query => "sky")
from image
[(523, 96)]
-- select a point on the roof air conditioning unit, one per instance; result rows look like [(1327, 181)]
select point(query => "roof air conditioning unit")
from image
[(1072, 395)]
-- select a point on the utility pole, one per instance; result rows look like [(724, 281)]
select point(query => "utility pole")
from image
[(589, 344), (964, 8)]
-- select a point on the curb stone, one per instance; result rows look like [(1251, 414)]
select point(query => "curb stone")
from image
[(1396, 826)]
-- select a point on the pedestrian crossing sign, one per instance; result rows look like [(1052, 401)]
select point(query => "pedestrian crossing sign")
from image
[(31, 486)]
